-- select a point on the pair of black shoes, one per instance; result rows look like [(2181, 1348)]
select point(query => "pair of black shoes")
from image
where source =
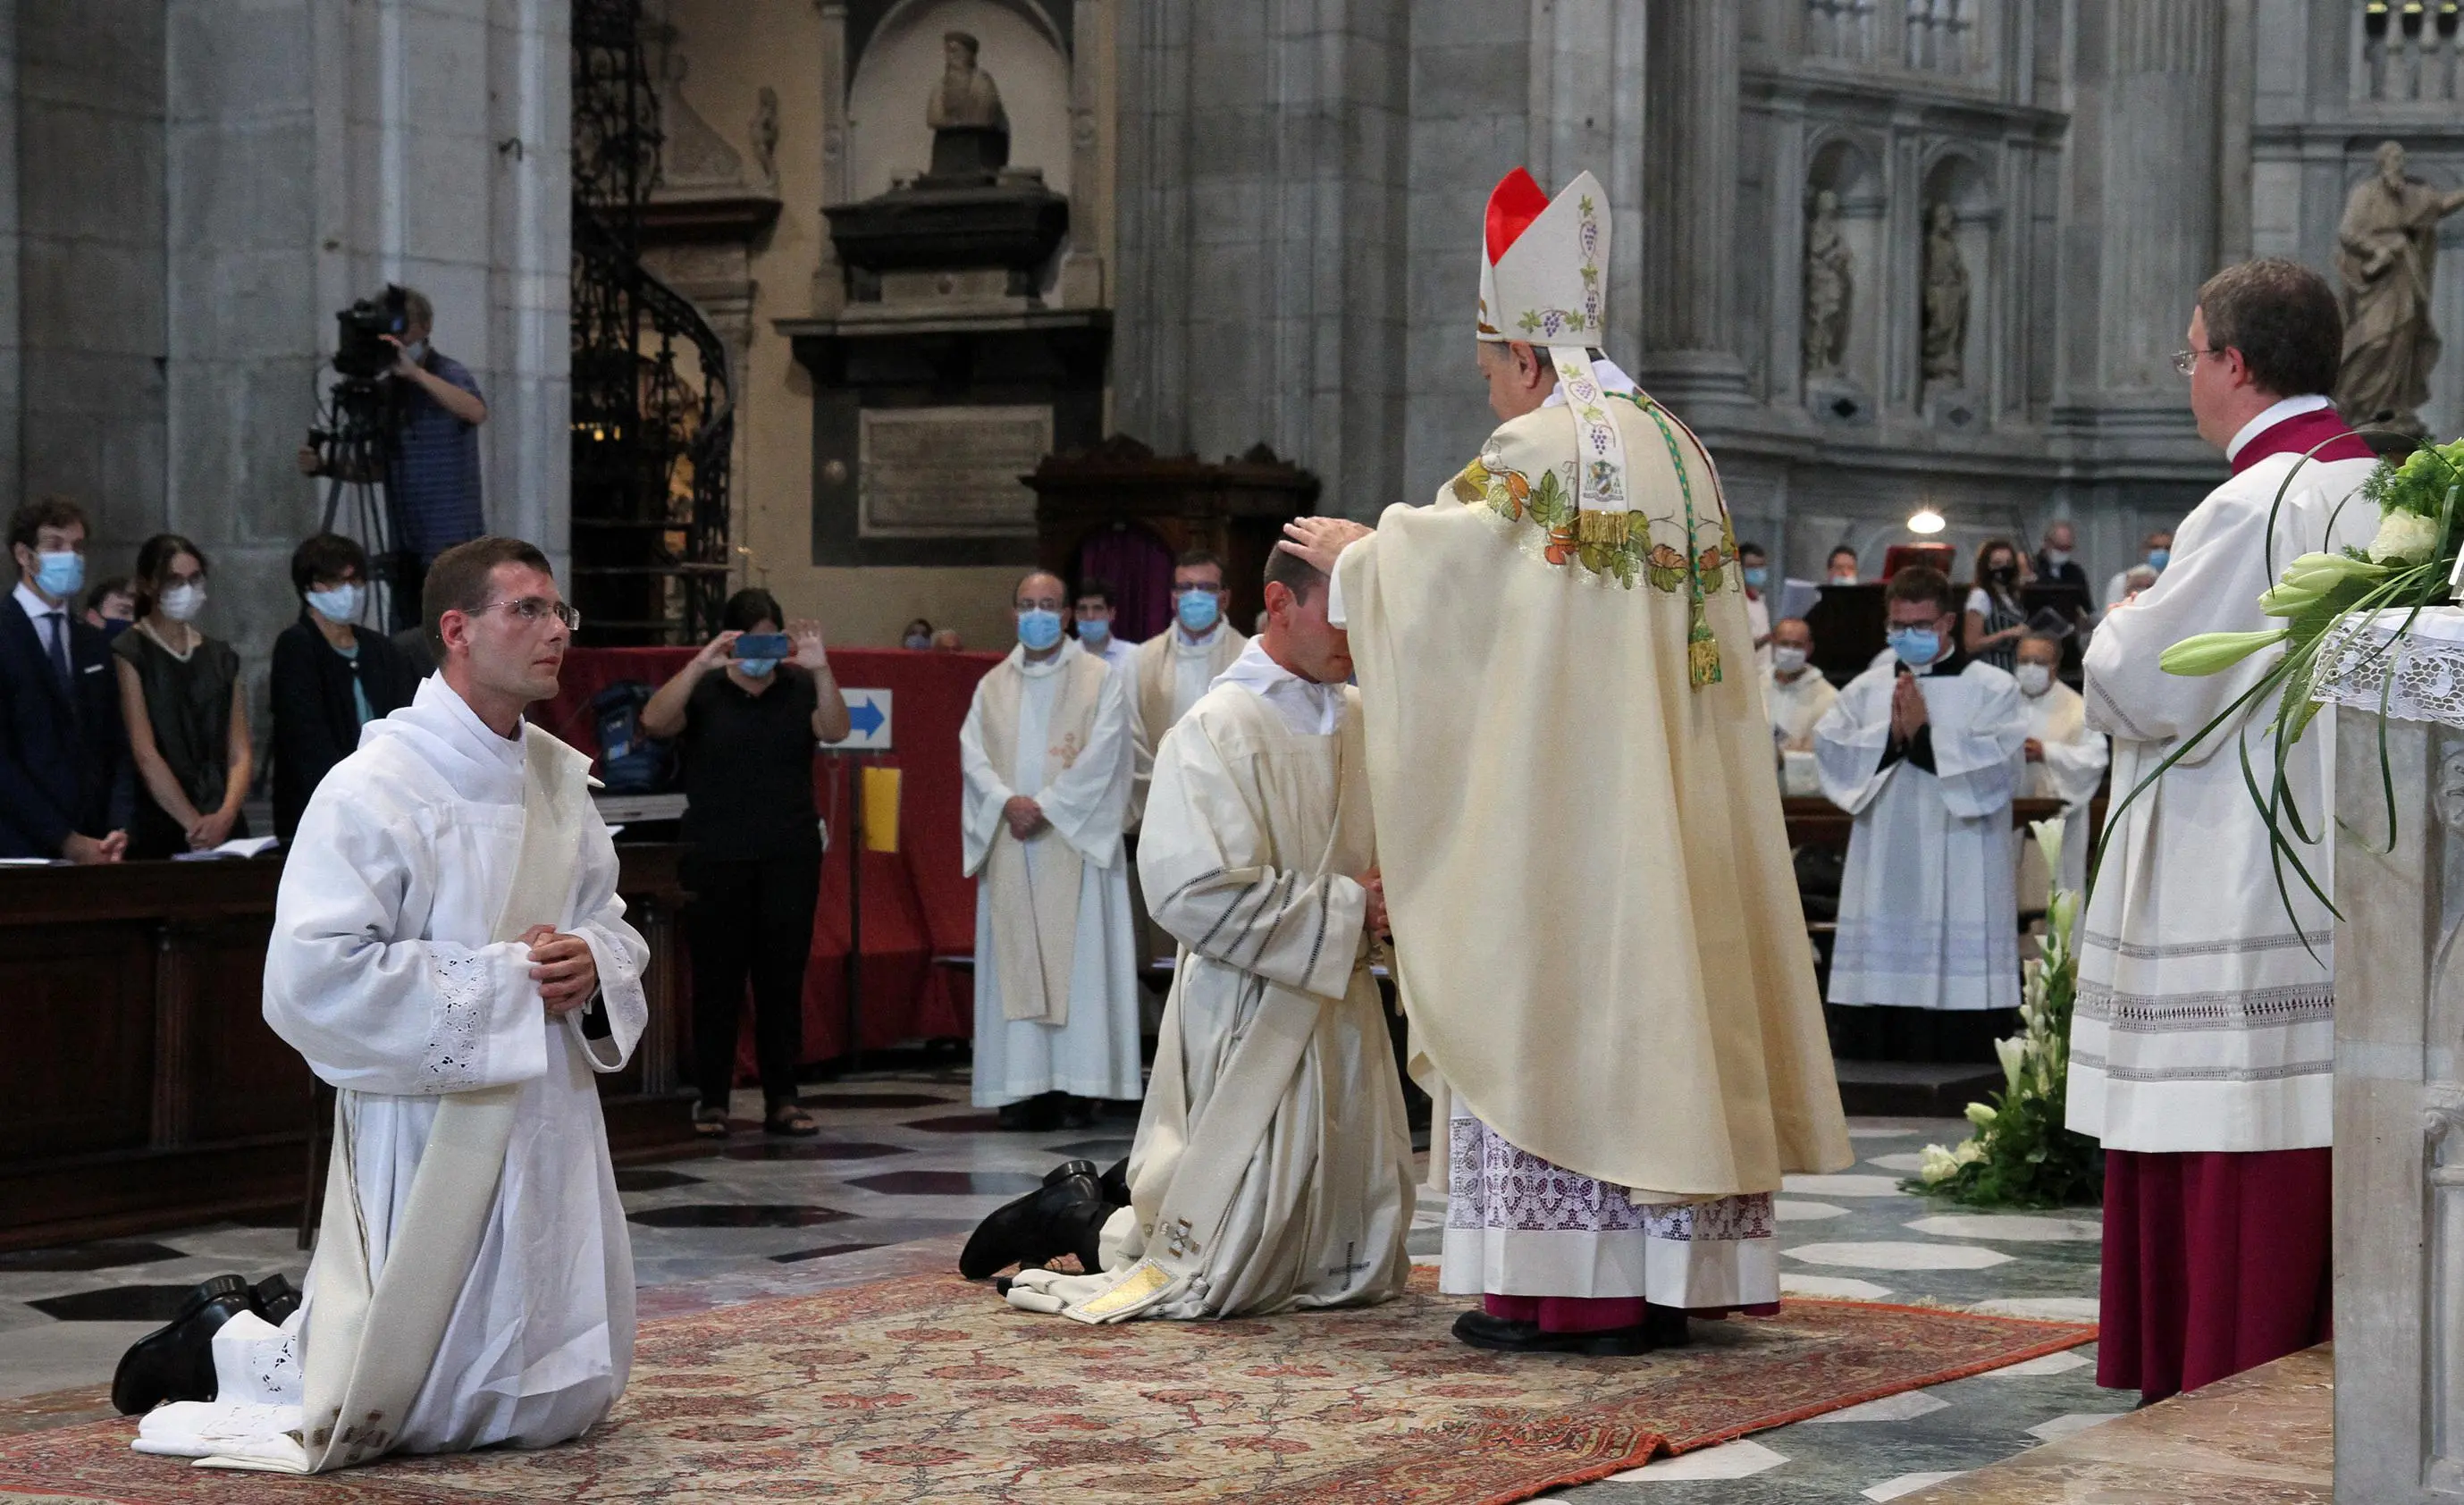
[(177, 1362), (1049, 1110), (1064, 1216), (1661, 1327)]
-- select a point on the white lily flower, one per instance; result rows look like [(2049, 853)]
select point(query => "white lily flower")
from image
[(2405, 538)]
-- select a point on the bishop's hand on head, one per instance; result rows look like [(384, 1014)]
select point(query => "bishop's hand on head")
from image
[(1319, 540)]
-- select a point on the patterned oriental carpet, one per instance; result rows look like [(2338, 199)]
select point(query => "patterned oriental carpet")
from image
[(929, 1388)]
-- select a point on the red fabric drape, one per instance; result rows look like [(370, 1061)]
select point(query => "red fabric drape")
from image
[(918, 904), (2214, 1264)]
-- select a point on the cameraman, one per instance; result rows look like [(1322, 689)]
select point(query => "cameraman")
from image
[(433, 410)]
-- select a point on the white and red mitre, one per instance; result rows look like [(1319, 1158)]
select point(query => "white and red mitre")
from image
[(1544, 281)]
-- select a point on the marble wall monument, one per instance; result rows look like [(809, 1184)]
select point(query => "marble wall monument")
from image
[(1829, 282), (2387, 250), (1947, 293)]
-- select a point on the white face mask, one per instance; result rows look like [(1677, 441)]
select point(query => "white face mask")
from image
[(2057, 556), (183, 603), (1788, 660), (2034, 678)]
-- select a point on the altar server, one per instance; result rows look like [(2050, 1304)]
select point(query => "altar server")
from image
[(2066, 761), (1045, 754), (1924, 749), (1581, 840), (1272, 1169), (449, 952), (2203, 1050)]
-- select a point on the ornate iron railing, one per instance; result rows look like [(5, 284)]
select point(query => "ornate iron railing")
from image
[(654, 409)]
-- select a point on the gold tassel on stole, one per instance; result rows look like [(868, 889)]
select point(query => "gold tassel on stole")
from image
[(1702, 649)]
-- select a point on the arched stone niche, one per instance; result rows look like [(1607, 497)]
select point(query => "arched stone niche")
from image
[(1955, 181), (1849, 171), (902, 63)]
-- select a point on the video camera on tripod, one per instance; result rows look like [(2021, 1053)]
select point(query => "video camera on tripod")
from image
[(354, 439)]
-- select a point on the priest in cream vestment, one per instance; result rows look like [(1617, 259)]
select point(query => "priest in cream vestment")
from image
[(1045, 755), (1597, 930), (2066, 761), (449, 952), (1174, 667), (1272, 1169)]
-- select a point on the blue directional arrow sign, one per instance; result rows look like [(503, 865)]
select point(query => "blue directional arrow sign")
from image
[(868, 713)]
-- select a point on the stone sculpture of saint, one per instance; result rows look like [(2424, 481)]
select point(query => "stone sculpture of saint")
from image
[(967, 99), (2385, 250), (1945, 300), (1829, 283)]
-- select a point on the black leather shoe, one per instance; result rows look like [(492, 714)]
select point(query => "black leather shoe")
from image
[(1037, 1226), (274, 1298), (177, 1362), (1114, 1183), (1506, 1336), (1667, 1326)]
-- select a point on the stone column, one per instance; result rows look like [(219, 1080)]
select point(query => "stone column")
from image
[(2399, 1217), (1082, 263), (1689, 177), (12, 388), (2159, 241)]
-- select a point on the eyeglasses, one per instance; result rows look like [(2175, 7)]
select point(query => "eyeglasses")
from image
[(536, 610), (2187, 360)]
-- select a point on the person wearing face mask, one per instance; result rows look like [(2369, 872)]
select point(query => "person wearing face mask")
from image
[(433, 410), (1174, 667), (1925, 750), (2066, 761), (2157, 553), (744, 728), (1274, 1129), (1840, 569), (187, 712), (65, 782), (1094, 615), (1995, 621), (330, 676), (1754, 567), (2056, 562), (111, 607), (1794, 692), (1046, 756), (918, 636)]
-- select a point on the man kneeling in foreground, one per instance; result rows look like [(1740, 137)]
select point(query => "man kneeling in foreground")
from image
[(1272, 1169)]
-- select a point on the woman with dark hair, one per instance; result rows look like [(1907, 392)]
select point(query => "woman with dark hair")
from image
[(180, 695), (753, 845), (1993, 622), (330, 676)]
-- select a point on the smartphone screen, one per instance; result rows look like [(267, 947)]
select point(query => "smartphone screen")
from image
[(762, 645)]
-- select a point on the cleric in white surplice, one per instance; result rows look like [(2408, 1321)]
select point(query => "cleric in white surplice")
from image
[(1047, 754), (1925, 749), (449, 952)]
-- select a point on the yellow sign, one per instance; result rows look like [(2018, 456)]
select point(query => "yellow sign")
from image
[(880, 809)]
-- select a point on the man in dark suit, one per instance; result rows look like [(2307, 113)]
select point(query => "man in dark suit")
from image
[(64, 764), (2054, 564)]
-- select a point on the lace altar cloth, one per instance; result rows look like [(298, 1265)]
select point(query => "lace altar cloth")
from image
[(2427, 666)]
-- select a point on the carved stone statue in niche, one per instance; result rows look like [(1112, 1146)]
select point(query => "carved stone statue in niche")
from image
[(970, 128), (1945, 300), (2385, 248), (1829, 283), (763, 134)]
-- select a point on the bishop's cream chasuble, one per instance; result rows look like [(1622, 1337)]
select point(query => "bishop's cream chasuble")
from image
[(1585, 862), (2206, 1016), (2072, 771), (1928, 912), (472, 1281), (1056, 990), (1272, 1169)]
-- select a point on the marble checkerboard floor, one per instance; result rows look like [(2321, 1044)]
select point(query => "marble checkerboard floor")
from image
[(904, 1169)]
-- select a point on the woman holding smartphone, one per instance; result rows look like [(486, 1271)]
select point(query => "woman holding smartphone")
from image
[(753, 842)]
